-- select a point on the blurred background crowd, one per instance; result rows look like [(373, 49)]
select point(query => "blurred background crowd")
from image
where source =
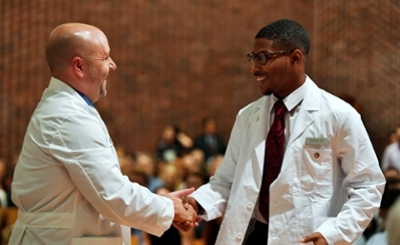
[(180, 161), (181, 61)]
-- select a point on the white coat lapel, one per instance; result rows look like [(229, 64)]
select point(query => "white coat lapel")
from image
[(258, 128), (306, 115)]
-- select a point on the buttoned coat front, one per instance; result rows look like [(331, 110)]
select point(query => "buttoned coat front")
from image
[(330, 181)]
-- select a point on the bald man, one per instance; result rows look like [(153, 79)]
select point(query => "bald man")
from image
[(67, 184)]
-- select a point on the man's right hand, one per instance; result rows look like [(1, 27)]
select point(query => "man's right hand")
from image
[(192, 203), (185, 215)]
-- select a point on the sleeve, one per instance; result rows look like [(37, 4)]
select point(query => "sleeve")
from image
[(82, 144), (363, 181), (214, 195)]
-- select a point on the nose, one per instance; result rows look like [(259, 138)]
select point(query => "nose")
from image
[(112, 65), (254, 67)]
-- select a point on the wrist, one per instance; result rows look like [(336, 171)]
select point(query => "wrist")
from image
[(200, 209)]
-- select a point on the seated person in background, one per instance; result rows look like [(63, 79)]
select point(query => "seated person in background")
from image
[(392, 172), (392, 224), (3, 191), (388, 198), (213, 164), (193, 162), (170, 177), (170, 237), (173, 144), (126, 162), (391, 154), (139, 177), (194, 180), (211, 227), (145, 162), (393, 183), (210, 142)]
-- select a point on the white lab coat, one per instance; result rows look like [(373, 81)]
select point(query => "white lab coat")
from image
[(332, 188), (68, 185)]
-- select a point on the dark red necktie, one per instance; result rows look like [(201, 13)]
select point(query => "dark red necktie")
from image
[(273, 156)]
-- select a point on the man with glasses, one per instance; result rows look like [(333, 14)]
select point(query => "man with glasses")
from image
[(299, 167)]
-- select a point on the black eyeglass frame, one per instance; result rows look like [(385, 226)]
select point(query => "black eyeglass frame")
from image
[(262, 60)]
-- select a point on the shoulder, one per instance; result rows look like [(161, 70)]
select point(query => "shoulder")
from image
[(335, 108), (329, 109), (68, 116), (245, 114), (334, 103), (253, 106), (62, 102), (325, 101)]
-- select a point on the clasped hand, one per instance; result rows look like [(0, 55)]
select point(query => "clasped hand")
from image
[(185, 213)]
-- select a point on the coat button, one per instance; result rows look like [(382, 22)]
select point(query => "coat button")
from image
[(239, 237), (257, 118), (249, 206), (316, 155)]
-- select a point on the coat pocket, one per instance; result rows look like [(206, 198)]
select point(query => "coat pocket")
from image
[(318, 164)]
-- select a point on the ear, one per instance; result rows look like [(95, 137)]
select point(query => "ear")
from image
[(78, 66), (297, 56)]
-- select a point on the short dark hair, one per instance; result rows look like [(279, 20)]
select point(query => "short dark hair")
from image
[(286, 33)]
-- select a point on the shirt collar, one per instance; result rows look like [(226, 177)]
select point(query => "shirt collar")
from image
[(57, 84), (295, 97), (85, 98)]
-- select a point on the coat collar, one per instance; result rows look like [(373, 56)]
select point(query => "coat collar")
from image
[(309, 105), (58, 85), (258, 128)]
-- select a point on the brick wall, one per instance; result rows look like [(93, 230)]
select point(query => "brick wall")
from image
[(179, 61), (357, 53)]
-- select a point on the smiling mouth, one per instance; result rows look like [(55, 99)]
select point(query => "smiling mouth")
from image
[(261, 79)]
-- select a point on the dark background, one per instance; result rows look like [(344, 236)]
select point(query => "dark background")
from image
[(179, 61)]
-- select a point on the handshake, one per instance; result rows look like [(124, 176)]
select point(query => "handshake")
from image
[(185, 209)]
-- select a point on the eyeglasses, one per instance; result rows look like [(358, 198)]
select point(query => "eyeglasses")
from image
[(264, 57)]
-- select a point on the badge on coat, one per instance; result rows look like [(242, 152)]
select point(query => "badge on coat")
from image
[(317, 141)]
